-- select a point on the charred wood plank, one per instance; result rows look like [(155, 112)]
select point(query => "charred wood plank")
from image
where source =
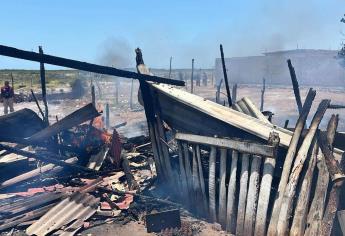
[(222, 189), (85, 113), (212, 184), (290, 189), (59, 61), (46, 157), (225, 76), (241, 146), (295, 86), (288, 162), (230, 210)]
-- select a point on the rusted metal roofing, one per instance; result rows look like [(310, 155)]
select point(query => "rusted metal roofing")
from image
[(74, 209)]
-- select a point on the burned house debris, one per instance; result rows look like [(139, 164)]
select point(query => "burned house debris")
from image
[(227, 165)]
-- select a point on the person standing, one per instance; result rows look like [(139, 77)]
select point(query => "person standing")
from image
[(7, 95)]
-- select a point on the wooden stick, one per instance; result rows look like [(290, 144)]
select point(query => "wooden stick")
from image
[(290, 189), (43, 86), (201, 179), (59, 61), (231, 211), (222, 188), (301, 210), (288, 162), (243, 195), (265, 189), (38, 105), (212, 184), (225, 76), (252, 197), (295, 86), (263, 94)]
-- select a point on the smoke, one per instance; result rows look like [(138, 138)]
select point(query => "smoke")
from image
[(116, 52)]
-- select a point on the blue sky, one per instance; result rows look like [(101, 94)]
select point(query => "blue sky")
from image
[(106, 32)]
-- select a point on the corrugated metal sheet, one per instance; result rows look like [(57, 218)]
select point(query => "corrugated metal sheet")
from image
[(77, 208)]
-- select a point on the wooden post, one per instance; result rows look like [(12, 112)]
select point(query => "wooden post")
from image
[(263, 94), (234, 93), (326, 144), (295, 86), (183, 176), (252, 197), (218, 91), (212, 184), (196, 184), (12, 81), (231, 211), (38, 105), (189, 175), (117, 85), (265, 188), (225, 76), (131, 96), (286, 124), (202, 180), (222, 188), (192, 77), (288, 162), (170, 68), (289, 192), (107, 121), (300, 216), (43, 86), (243, 195), (93, 96)]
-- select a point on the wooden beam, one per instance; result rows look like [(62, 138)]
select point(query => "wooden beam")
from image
[(290, 189), (241, 209), (241, 146), (85, 113), (59, 61), (46, 157), (295, 86), (212, 185), (38, 105), (290, 155)]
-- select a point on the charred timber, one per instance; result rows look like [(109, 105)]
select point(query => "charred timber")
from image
[(64, 62)]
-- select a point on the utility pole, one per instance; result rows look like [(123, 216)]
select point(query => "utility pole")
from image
[(191, 79), (170, 68)]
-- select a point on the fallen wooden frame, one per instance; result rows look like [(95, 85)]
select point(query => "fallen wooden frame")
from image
[(59, 61), (79, 116), (249, 147)]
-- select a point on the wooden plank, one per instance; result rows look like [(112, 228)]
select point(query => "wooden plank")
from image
[(201, 180), (318, 203), (290, 155), (231, 211), (79, 116), (241, 146), (189, 176), (212, 185), (222, 189), (252, 197), (196, 184), (242, 195), (183, 176), (36, 172), (254, 110), (290, 189), (46, 157), (265, 190), (59, 61), (301, 209)]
